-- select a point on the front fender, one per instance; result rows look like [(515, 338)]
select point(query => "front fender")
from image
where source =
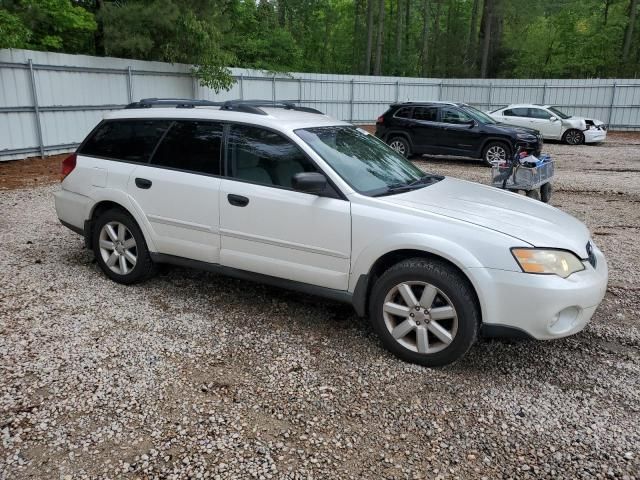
[(454, 253)]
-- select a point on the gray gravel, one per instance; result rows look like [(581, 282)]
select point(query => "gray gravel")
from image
[(192, 375)]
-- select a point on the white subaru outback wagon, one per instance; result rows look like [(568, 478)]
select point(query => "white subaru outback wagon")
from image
[(291, 197)]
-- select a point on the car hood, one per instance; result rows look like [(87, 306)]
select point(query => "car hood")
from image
[(515, 128), (530, 221), (580, 122)]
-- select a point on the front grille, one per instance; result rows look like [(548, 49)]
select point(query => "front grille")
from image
[(591, 256)]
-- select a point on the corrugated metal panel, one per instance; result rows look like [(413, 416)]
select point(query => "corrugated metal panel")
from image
[(75, 91)]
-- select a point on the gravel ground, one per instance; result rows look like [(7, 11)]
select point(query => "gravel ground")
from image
[(191, 375)]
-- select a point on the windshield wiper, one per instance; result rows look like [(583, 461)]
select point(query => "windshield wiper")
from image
[(416, 184)]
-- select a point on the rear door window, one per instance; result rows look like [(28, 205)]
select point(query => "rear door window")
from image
[(191, 146), (516, 112), (403, 113), (129, 140), (429, 114)]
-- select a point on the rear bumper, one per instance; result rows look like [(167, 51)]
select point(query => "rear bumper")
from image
[(540, 306), (72, 209)]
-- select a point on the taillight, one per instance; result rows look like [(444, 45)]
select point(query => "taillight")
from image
[(380, 120), (68, 164)]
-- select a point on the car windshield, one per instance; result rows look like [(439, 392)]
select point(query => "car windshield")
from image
[(366, 163), (478, 115), (558, 113)]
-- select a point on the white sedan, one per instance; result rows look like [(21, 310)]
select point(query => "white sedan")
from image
[(552, 123)]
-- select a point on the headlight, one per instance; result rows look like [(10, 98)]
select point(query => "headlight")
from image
[(527, 136), (550, 262)]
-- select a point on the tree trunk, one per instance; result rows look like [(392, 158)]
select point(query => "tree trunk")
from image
[(425, 38), (98, 36), (436, 36), (407, 22), (367, 59), (356, 63), (380, 42), (487, 21), (471, 54), (628, 32), (399, 61)]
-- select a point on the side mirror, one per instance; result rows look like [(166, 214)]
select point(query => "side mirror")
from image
[(553, 119), (472, 123), (309, 182)]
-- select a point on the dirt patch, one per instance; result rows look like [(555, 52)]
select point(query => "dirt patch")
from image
[(30, 172)]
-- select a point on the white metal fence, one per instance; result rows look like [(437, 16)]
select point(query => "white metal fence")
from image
[(49, 101)]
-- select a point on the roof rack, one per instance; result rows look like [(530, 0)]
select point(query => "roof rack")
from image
[(246, 106)]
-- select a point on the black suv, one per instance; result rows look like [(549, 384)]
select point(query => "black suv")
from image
[(444, 128)]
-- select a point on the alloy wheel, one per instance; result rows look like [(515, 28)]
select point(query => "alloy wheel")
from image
[(496, 154), (420, 317), (398, 146), (574, 137), (118, 248)]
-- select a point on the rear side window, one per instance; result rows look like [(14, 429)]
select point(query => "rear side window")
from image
[(429, 114), (516, 112), (191, 146), (403, 113), (130, 140)]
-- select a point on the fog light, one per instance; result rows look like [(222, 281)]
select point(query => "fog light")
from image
[(564, 320)]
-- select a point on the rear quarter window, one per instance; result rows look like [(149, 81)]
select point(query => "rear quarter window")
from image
[(129, 140)]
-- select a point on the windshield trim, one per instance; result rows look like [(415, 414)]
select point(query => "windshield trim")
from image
[(478, 115), (558, 112)]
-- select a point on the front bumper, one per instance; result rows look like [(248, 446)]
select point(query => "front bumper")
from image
[(541, 306), (594, 135)]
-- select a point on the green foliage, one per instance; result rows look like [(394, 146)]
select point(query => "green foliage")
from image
[(56, 25), (528, 38), (13, 32)]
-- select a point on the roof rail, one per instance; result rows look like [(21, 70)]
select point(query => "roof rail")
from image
[(246, 106), (173, 102)]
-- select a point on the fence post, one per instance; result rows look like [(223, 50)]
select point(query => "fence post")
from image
[(36, 108), (273, 89), (300, 90), (242, 86), (440, 90), (544, 94), (397, 90), (611, 105), (490, 89), (351, 98), (129, 84)]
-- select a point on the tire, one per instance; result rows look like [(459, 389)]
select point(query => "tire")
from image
[(495, 151), (453, 335), (400, 145), (573, 137), (534, 194), (122, 242), (545, 192)]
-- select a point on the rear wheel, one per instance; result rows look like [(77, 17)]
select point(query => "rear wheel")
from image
[(120, 248), (573, 137), (495, 152), (424, 312), (400, 145)]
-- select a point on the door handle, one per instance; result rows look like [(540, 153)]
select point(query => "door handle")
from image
[(237, 200), (143, 183)]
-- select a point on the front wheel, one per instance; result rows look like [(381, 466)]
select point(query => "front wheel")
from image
[(424, 312), (495, 152), (120, 248), (573, 137), (545, 192)]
